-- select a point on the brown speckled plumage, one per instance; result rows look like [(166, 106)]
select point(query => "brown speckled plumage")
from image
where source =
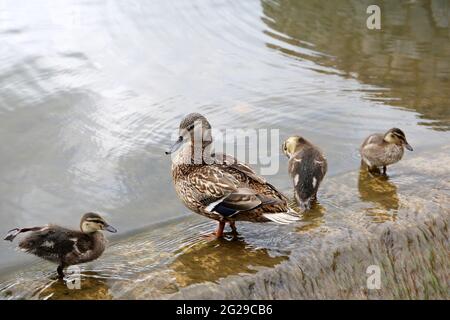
[(223, 188), (200, 185)]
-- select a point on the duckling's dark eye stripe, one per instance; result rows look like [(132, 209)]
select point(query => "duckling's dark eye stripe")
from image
[(96, 221), (399, 135)]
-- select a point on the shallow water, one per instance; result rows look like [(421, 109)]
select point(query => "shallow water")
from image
[(360, 221), (92, 91)]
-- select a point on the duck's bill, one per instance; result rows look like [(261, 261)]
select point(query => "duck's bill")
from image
[(110, 228), (407, 146), (175, 146)]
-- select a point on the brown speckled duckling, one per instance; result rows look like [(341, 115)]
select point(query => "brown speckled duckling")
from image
[(64, 246), (218, 186), (380, 150), (307, 167)]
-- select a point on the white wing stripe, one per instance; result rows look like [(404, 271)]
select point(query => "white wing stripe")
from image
[(212, 205)]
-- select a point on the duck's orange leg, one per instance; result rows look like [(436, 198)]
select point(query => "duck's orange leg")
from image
[(219, 231)]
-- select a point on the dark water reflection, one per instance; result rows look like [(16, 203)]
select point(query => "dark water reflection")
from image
[(409, 57), (214, 260), (381, 193), (378, 190)]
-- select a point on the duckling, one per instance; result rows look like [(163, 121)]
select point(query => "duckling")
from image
[(64, 246), (307, 167), (381, 150), (218, 186)]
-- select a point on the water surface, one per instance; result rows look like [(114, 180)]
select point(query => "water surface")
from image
[(92, 91)]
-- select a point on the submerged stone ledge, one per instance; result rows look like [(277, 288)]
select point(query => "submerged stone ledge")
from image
[(398, 224)]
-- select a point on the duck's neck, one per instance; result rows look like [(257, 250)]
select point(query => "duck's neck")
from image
[(99, 241), (193, 154), (96, 235)]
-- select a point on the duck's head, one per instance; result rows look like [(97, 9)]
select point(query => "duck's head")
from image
[(397, 136), (293, 144), (92, 222), (194, 127)]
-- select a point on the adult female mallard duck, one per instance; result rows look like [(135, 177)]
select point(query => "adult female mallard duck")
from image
[(64, 246), (218, 186), (307, 167), (381, 150)]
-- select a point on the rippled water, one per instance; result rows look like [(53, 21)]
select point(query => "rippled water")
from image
[(92, 91), (360, 221)]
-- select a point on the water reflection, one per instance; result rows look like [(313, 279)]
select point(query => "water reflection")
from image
[(83, 119), (46, 286), (313, 218), (409, 57), (214, 260), (92, 287), (380, 193), (310, 219)]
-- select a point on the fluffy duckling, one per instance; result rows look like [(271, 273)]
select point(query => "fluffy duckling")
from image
[(380, 150), (218, 186), (64, 246), (307, 167)]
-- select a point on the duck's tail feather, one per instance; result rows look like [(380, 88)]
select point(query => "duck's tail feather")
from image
[(282, 217)]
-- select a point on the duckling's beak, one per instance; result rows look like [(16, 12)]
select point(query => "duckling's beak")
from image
[(176, 145), (283, 148), (110, 228), (407, 146)]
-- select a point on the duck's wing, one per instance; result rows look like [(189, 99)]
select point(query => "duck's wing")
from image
[(232, 162), (376, 138), (260, 183), (372, 142), (221, 193), (51, 243), (372, 149)]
